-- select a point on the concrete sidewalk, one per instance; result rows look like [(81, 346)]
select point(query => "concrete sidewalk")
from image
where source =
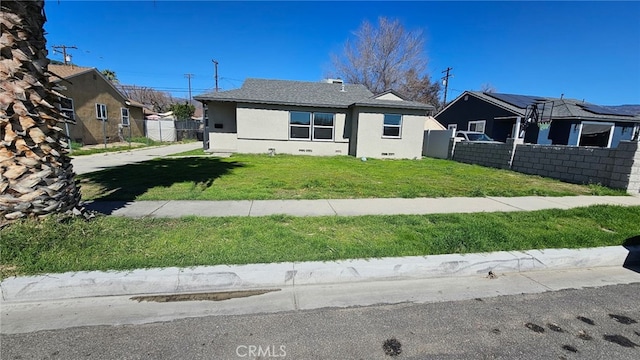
[(350, 207)]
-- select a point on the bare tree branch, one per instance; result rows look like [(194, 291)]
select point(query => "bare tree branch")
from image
[(387, 57)]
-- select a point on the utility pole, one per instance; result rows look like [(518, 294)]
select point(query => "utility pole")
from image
[(64, 51), (215, 65), (445, 82), (188, 76)]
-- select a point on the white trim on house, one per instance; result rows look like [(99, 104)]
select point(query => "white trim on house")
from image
[(476, 123), (389, 127), (101, 112), (453, 127), (312, 125), (125, 118), (67, 110), (611, 130)]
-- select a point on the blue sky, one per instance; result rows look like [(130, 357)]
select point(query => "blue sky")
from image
[(584, 50)]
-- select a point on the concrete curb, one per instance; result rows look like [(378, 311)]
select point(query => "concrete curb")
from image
[(280, 275)]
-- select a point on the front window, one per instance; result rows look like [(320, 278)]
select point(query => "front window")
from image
[(595, 134), (125, 116), (300, 125), (305, 125), (477, 125), (322, 126), (392, 125), (101, 112)]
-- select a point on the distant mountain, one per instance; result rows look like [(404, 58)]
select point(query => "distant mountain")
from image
[(627, 109)]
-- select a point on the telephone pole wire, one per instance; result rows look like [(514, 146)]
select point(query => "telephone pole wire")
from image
[(445, 81), (189, 76), (215, 64), (64, 52)]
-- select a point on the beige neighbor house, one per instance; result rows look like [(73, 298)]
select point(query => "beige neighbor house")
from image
[(100, 111), (313, 118)]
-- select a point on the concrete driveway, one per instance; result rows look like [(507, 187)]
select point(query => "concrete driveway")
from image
[(89, 163)]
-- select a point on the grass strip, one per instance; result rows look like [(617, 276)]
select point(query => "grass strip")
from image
[(261, 177), (113, 243)]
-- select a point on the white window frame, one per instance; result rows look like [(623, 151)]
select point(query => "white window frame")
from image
[(205, 115), (125, 118), (101, 112), (612, 127), (636, 128), (312, 126), (70, 112), (308, 138), (476, 123), (399, 126), (453, 127)]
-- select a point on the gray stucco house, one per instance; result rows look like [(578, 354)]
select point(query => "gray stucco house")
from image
[(561, 121), (313, 118)]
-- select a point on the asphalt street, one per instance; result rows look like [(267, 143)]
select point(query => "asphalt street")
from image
[(591, 323)]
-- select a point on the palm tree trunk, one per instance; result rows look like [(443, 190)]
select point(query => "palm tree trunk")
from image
[(36, 175)]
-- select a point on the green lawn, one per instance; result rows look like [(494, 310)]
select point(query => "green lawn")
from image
[(113, 243), (256, 177)]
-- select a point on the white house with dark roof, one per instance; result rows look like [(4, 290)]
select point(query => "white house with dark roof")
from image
[(313, 118)]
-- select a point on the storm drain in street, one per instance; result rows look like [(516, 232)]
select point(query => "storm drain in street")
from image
[(211, 296)]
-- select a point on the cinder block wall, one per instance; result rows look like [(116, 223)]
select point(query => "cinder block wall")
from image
[(581, 165), (617, 168), (486, 154)]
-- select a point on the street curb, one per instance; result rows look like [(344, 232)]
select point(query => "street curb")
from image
[(280, 275)]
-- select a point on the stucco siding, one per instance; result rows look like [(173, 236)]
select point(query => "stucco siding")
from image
[(372, 143), (316, 148), (87, 90), (265, 124), (389, 96), (223, 142), (222, 117)]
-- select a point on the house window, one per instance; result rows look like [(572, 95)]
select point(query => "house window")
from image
[(477, 125), (66, 107), (311, 126), (392, 125), (125, 116), (300, 125), (205, 115), (323, 126), (595, 134), (101, 112), (452, 127)]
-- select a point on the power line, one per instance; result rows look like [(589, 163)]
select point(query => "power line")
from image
[(445, 81), (215, 63), (63, 52), (188, 76)]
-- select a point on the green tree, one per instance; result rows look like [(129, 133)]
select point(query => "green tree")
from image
[(183, 111), (36, 173), (110, 75)]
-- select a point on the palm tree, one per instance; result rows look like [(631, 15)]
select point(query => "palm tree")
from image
[(36, 175), (110, 75)]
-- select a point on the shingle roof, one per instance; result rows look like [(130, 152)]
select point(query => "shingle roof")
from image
[(66, 71), (562, 108), (299, 93)]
